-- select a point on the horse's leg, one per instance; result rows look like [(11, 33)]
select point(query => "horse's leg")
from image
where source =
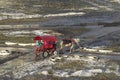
[(61, 45), (71, 48), (61, 48)]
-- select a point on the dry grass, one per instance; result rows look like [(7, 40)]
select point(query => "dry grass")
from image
[(15, 39), (21, 21), (115, 48), (77, 65)]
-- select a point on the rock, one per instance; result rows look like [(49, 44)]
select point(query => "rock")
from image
[(44, 72)]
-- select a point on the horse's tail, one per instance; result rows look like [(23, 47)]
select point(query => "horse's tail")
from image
[(61, 45)]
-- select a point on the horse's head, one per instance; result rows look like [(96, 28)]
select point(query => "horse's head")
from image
[(77, 40)]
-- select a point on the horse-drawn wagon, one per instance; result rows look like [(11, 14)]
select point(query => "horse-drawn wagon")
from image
[(45, 45)]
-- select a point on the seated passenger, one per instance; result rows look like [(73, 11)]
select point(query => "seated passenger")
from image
[(39, 44)]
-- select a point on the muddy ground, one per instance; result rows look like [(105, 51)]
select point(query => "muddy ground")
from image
[(75, 66), (95, 22)]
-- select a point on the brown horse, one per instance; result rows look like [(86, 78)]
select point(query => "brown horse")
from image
[(68, 43)]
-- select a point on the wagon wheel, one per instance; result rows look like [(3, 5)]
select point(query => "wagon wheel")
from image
[(45, 54), (55, 53)]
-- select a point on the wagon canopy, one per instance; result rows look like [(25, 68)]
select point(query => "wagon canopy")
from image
[(46, 38)]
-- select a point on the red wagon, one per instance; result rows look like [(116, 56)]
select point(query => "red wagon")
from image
[(48, 46)]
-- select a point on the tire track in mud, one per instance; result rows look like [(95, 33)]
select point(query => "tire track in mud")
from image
[(8, 59), (15, 52), (11, 57), (11, 60), (28, 67)]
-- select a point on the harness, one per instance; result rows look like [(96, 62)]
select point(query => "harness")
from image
[(67, 41)]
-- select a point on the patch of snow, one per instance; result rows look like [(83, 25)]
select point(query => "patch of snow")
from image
[(4, 52), (84, 8), (105, 51), (65, 56), (18, 32), (44, 72), (11, 14), (83, 73), (72, 58), (26, 44), (97, 47), (96, 70), (90, 50), (10, 43), (20, 44), (65, 14), (80, 73), (39, 32), (91, 57), (58, 58), (23, 16), (108, 71), (31, 73), (61, 74), (37, 5)]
